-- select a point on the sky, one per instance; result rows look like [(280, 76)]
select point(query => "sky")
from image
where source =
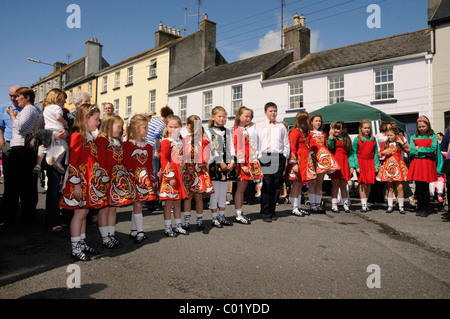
[(40, 29)]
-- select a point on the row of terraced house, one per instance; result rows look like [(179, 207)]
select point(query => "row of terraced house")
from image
[(404, 75)]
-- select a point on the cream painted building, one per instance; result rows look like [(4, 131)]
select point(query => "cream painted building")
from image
[(439, 21), (136, 85)]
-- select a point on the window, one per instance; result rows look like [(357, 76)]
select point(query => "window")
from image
[(183, 108), (41, 93), (236, 99), (49, 86), (116, 106), (117, 80), (130, 76), (129, 105), (90, 88), (207, 104), (70, 97), (296, 95), (153, 68), (336, 89), (105, 83), (384, 83), (153, 101)]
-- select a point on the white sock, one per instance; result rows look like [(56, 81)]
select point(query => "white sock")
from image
[(177, 222), (334, 203), (318, 200), (133, 225), (214, 215), (199, 218), (364, 202), (83, 236), (168, 224), (294, 202), (401, 202), (139, 220), (187, 218), (112, 230), (299, 201), (104, 231), (75, 247), (390, 201), (312, 200), (238, 211)]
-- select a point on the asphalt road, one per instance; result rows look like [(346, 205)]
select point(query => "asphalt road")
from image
[(332, 256)]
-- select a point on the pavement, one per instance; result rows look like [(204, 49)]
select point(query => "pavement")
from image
[(318, 256)]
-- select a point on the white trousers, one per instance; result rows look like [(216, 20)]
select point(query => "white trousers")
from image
[(219, 197)]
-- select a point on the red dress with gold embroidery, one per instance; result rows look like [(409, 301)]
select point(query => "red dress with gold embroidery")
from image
[(110, 156), (195, 173), (171, 157), (325, 161), (84, 170), (393, 168), (138, 161), (246, 154), (300, 154)]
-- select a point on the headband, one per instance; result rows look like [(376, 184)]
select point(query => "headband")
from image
[(423, 118), (131, 116)]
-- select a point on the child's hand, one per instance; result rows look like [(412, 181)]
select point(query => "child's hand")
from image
[(245, 170), (416, 148), (295, 168), (230, 166), (352, 170), (223, 166), (173, 182), (358, 171)]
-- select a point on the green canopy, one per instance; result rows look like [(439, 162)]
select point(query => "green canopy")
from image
[(351, 112)]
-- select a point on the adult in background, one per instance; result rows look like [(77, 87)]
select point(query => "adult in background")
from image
[(22, 185), (154, 137), (80, 98), (5, 139), (109, 109), (53, 194)]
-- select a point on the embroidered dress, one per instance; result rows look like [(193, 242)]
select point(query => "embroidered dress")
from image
[(138, 161), (324, 160), (365, 157), (222, 150), (300, 154), (245, 153), (195, 173), (393, 168), (84, 170), (171, 156), (423, 165), (338, 149)]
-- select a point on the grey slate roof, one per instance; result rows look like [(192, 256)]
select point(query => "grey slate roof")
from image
[(370, 51), (260, 63), (442, 13)]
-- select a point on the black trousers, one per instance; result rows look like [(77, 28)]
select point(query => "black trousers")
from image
[(272, 167), (422, 195), (22, 186)]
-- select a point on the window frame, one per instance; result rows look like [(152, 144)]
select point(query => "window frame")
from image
[(207, 113), (338, 97), (386, 83), (182, 111), (300, 94), (236, 100)]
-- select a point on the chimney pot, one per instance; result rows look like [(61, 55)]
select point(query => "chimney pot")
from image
[(165, 28), (296, 19), (302, 20), (178, 33), (206, 16), (160, 26)]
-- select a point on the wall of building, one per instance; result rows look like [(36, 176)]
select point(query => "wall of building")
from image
[(141, 86), (441, 79)]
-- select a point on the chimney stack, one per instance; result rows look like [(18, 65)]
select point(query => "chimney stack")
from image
[(165, 34), (298, 38), (57, 66), (94, 56), (208, 34)]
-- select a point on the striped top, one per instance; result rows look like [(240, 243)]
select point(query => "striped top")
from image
[(23, 125), (155, 131)]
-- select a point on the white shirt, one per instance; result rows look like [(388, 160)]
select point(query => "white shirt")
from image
[(272, 138), (50, 112)]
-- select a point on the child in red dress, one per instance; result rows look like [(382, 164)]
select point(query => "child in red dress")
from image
[(324, 160), (196, 178), (340, 145), (247, 166), (393, 170), (172, 189), (111, 157), (424, 163), (365, 161), (84, 183), (138, 161), (300, 168)]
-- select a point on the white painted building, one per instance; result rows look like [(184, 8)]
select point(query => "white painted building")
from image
[(392, 74)]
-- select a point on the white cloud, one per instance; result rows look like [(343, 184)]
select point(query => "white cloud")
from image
[(272, 42)]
